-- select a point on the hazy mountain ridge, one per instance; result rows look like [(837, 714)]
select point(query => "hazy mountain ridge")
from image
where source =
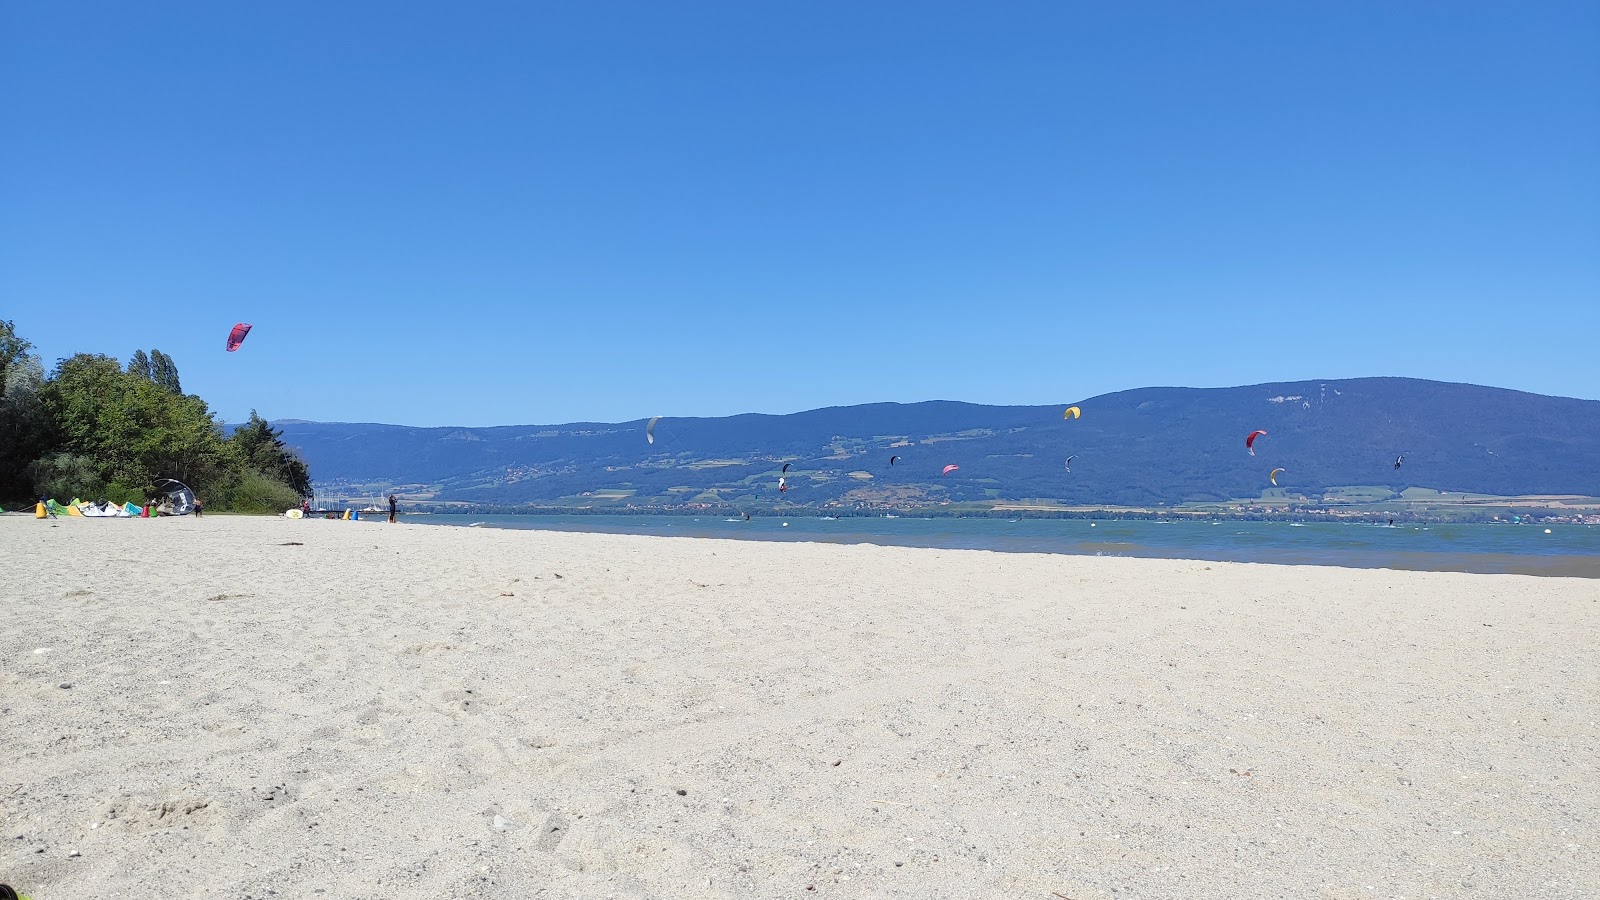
[(1142, 446)]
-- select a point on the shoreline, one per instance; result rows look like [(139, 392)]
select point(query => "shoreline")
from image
[(967, 535)]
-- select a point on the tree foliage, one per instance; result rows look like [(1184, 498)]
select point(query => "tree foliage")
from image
[(135, 430), (263, 451), (65, 475), (24, 429), (94, 427), (12, 346), (140, 365), (157, 368), (257, 493)]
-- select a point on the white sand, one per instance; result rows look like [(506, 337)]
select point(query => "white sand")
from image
[(350, 716)]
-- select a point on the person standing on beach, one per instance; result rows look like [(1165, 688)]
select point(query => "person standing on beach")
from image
[(391, 509)]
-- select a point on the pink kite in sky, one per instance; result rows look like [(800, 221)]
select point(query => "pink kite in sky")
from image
[(236, 336)]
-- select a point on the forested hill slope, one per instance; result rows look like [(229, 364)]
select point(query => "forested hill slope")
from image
[(1151, 445)]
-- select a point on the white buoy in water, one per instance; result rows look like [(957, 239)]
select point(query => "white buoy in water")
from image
[(1547, 531), (786, 524), (1091, 524)]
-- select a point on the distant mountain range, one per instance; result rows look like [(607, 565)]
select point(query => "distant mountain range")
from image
[(1132, 448)]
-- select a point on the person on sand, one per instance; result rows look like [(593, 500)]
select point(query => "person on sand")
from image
[(392, 502), (305, 508), (199, 507)]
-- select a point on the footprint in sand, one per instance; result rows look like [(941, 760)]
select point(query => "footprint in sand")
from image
[(142, 813), (427, 649), (458, 702), (554, 831)]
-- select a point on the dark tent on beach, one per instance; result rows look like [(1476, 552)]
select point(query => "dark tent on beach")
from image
[(182, 498)]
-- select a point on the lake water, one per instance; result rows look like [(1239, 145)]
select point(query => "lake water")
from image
[(1569, 550)]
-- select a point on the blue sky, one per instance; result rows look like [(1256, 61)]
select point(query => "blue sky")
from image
[(509, 213)]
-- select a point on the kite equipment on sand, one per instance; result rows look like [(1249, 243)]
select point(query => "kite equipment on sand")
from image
[(178, 493), (1250, 442), (101, 509), (237, 335)]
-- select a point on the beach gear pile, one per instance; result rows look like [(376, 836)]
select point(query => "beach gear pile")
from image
[(100, 509), (178, 500)]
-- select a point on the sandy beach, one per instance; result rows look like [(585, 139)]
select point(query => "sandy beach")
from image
[(251, 708)]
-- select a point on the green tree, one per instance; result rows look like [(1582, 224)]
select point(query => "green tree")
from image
[(140, 365), (135, 430), (164, 372), (257, 493), (63, 476), (12, 346), (24, 426), (262, 449), (94, 429)]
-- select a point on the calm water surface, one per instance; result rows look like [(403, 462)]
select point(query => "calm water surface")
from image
[(1571, 550)]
